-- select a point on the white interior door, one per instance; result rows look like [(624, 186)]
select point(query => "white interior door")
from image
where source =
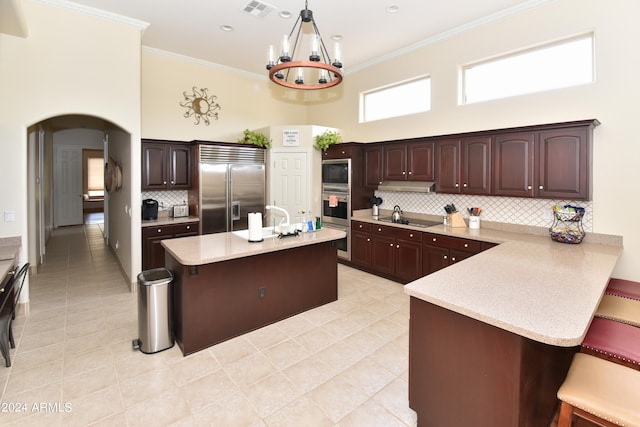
[(67, 186), (289, 182)]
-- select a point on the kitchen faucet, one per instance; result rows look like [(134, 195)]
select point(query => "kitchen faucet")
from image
[(286, 214)]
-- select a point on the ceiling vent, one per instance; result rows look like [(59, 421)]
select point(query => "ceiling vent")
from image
[(258, 9)]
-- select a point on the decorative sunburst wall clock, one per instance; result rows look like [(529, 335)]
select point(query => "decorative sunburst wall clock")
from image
[(200, 106)]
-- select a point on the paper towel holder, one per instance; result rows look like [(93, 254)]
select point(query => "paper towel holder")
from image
[(259, 223)]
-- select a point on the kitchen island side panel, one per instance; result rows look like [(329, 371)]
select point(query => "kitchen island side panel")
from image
[(466, 372), (218, 301)]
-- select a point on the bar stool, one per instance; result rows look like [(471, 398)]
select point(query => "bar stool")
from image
[(600, 391), (620, 309), (623, 288), (613, 341)]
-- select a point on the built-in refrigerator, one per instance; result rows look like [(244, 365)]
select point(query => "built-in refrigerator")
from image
[(232, 184)]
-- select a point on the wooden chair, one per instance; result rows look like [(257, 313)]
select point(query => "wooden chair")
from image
[(600, 391), (10, 295)]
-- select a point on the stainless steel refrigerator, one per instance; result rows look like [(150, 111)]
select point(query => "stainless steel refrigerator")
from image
[(232, 184)]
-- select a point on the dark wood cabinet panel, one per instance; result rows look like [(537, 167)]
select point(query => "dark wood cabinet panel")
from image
[(563, 166), (373, 169), (383, 254), (441, 251), (153, 252), (434, 258), (408, 260), (411, 161), (513, 164), (361, 248), (166, 166), (339, 151), (464, 166)]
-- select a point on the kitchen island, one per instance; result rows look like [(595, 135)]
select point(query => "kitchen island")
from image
[(492, 337), (225, 286)]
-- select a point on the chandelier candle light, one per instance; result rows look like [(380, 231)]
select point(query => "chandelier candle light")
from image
[(289, 71)]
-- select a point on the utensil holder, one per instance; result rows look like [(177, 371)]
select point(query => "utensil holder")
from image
[(455, 220), (474, 222)]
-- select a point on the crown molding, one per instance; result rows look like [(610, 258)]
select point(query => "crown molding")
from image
[(201, 62), (121, 19), (503, 14)]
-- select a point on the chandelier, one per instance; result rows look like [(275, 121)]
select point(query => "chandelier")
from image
[(289, 70)]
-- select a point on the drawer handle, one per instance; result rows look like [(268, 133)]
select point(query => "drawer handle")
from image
[(360, 225), (434, 239), (379, 229), (159, 230), (188, 227), (411, 235), (466, 245)]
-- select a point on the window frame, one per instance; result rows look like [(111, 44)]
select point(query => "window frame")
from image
[(523, 52), (398, 84)]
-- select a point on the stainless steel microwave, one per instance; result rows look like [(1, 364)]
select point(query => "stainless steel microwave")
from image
[(336, 171)]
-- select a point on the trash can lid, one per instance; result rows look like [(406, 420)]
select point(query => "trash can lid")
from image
[(154, 276)]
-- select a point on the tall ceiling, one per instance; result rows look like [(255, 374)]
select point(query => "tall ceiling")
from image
[(370, 31)]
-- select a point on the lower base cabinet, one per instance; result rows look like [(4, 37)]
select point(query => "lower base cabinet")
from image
[(152, 249), (405, 255)]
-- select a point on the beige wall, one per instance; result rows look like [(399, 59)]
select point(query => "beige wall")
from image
[(70, 63), (612, 99)]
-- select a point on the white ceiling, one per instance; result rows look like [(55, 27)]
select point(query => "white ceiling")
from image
[(370, 33)]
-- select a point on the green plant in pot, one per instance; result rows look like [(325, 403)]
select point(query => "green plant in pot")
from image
[(255, 138), (326, 140)]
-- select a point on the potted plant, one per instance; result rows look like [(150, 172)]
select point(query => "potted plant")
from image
[(255, 138), (326, 140)]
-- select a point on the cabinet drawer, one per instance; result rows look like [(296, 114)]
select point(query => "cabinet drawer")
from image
[(170, 229), (452, 242), (412, 235), (364, 227)]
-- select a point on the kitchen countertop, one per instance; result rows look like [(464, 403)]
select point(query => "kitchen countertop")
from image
[(210, 248), (167, 220), (528, 284), (9, 248)]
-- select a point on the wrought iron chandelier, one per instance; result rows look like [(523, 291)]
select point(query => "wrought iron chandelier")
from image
[(318, 72)]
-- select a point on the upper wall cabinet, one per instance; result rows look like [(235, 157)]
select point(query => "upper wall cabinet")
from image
[(411, 161), (552, 163), (373, 165), (166, 165), (464, 165)]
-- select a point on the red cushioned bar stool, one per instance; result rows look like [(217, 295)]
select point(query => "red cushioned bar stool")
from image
[(614, 341), (623, 288)]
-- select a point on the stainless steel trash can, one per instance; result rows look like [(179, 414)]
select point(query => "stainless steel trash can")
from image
[(155, 319)]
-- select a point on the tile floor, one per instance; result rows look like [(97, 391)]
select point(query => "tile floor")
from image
[(342, 364)]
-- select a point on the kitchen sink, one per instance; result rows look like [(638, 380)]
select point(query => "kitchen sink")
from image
[(412, 221)]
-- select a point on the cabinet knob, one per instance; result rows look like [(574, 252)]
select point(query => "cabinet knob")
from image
[(398, 246), (411, 235), (453, 259), (188, 227), (541, 187), (466, 245), (457, 185), (410, 173), (404, 173), (343, 151), (164, 182), (391, 244), (368, 239), (529, 187), (173, 182), (379, 229), (445, 257), (159, 230), (464, 185), (360, 226), (434, 239)]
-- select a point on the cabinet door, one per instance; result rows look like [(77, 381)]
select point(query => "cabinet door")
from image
[(408, 260), (476, 165), (457, 256), (338, 151), (361, 248), (179, 166), (563, 163), (513, 165), (373, 166), (395, 162), (448, 166), (154, 172), (434, 258), (420, 161), (383, 254)]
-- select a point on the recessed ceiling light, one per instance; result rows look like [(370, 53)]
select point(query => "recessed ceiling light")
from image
[(393, 8), (336, 37), (227, 28), (285, 14)]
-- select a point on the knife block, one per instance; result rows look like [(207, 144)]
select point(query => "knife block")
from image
[(455, 220)]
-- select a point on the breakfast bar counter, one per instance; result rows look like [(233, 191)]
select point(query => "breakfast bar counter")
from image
[(225, 286), (492, 337)]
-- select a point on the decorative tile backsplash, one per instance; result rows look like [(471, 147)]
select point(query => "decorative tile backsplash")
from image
[(512, 210), (166, 199)]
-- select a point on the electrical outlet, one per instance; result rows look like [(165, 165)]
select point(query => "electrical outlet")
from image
[(262, 292)]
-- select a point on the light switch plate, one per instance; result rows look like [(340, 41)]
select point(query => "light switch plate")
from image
[(9, 216)]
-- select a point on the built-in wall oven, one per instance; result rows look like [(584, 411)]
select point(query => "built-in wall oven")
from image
[(336, 200)]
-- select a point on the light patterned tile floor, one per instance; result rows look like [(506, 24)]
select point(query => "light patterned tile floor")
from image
[(343, 364)]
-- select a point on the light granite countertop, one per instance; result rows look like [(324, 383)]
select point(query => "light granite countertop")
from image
[(210, 248), (528, 284)]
